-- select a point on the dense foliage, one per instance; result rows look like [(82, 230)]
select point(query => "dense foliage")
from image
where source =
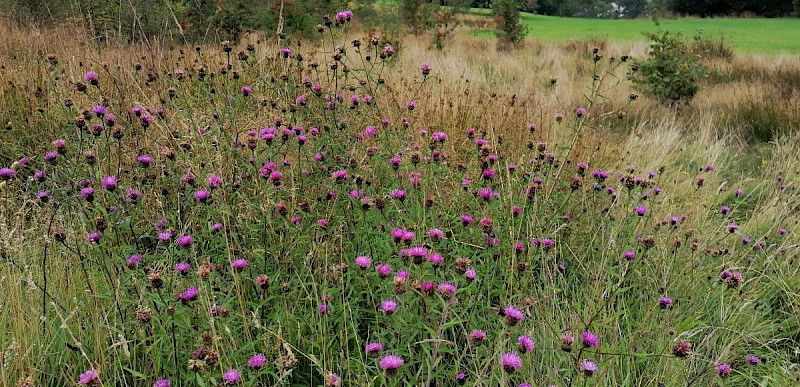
[(672, 70)]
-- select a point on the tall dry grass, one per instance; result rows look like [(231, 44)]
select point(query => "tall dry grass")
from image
[(476, 86)]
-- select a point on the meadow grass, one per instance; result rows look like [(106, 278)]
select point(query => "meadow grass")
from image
[(249, 216), (746, 35)]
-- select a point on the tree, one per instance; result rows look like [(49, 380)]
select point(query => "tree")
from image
[(510, 29)]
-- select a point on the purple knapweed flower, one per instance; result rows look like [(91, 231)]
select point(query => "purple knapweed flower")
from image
[(510, 362), (723, 370), (525, 344), (201, 196), (189, 294), (390, 364), (214, 181), (185, 241), (94, 237), (231, 376), (91, 77), (162, 383), (6, 173), (641, 210), (477, 337), (470, 274), (425, 68), (239, 264), (752, 359), (182, 268), (513, 315), (590, 340), (363, 261), (133, 261), (588, 367), (383, 269), (109, 183), (389, 306), (89, 378), (373, 349)]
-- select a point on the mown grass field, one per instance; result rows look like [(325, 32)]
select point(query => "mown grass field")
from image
[(750, 35)]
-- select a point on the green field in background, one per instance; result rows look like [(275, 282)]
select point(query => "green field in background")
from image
[(754, 35)]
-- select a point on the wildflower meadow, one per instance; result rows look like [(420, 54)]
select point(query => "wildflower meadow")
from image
[(362, 209)]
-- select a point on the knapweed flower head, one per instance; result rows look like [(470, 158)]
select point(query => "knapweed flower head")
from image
[(162, 383), (109, 183), (373, 349), (344, 16), (231, 376), (332, 380), (436, 259), (89, 378), (383, 269), (182, 267), (590, 340), (189, 294), (389, 306), (510, 362), (665, 302), (340, 175), (640, 211), (580, 112), (435, 234), (185, 241), (202, 196), (94, 237), (588, 367), (566, 341), (133, 261), (470, 274), (477, 337), (513, 315), (239, 264), (214, 181), (91, 77), (525, 344), (425, 68), (363, 261), (390, 364), (257, 361), (99, 110), (6, 173), (723, 370), (752, 359), (447, 290)]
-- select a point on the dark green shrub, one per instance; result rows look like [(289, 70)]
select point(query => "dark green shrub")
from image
[(671, 71), (510, 29)]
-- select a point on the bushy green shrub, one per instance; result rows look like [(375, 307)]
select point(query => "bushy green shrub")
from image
[(510, 29), (671, 71)]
